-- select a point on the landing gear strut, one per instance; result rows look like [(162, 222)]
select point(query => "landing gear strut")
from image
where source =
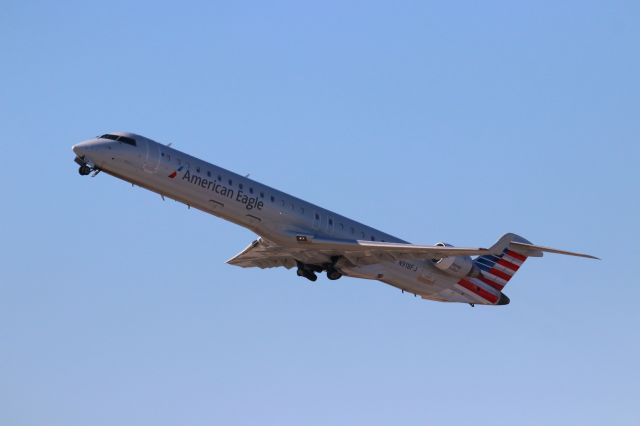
[(85, 168)]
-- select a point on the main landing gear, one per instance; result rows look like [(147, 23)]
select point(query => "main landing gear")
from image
[(333, 274), (310, 271)]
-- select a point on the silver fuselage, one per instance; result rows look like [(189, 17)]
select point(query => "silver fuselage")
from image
[(272, 214)]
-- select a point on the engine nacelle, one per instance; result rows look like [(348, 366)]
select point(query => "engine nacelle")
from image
[(457, 266)]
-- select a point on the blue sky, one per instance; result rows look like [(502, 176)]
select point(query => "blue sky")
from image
[(455, 122)]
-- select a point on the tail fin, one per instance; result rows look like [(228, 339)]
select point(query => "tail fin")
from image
[(497, 270)]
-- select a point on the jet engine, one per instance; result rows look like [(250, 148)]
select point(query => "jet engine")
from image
[(457, 266)]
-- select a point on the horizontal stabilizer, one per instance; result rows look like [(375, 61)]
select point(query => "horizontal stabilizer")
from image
[(524, 247)]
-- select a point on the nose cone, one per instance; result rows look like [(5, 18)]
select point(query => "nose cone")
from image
[(81, 149), (77, 149)]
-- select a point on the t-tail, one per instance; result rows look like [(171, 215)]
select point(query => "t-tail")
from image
[(494, 271)]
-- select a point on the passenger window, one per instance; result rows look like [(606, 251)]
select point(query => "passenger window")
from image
[(198, 169), (331, 222), (373, 238), (219, 178), (273, 198), (208, 173), (240, 186), (230, 182), (250, 190), (262, 195), (317, 216)]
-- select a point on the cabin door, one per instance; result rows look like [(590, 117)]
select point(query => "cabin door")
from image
[(152, 159)]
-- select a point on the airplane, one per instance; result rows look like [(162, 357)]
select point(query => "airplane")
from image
[(293, 233)]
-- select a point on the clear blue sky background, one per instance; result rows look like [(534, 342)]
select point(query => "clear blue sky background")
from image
[(453, 121)]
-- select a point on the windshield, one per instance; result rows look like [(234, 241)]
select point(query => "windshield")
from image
[(125, 139)]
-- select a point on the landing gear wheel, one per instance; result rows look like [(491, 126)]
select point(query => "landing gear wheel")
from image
[(84, 170), (307, 273), (333, 275)]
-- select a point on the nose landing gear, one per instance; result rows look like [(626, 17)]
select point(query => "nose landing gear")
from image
[(86, 168)]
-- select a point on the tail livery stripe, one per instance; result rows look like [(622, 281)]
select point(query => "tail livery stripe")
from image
[(478, 291), (499, 273), (495, 273), (515, 255), (485, 262), (491, 283), (494, 278), (512, 260), (504, 269), (508, 264)]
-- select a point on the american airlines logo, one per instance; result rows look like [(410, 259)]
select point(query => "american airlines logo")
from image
[(249, 202)]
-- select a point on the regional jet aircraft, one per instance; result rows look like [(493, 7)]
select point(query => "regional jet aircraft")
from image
[(293, 233)]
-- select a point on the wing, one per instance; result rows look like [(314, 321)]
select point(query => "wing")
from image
[(309, 249), (263, 254)]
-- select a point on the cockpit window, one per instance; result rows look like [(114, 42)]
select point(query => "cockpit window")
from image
[(127, 140), (124, 139)]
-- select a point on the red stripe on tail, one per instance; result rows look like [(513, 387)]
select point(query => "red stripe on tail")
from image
[(508, 265), (516, 255), (500, 274), (478, 290), (491, 283)]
